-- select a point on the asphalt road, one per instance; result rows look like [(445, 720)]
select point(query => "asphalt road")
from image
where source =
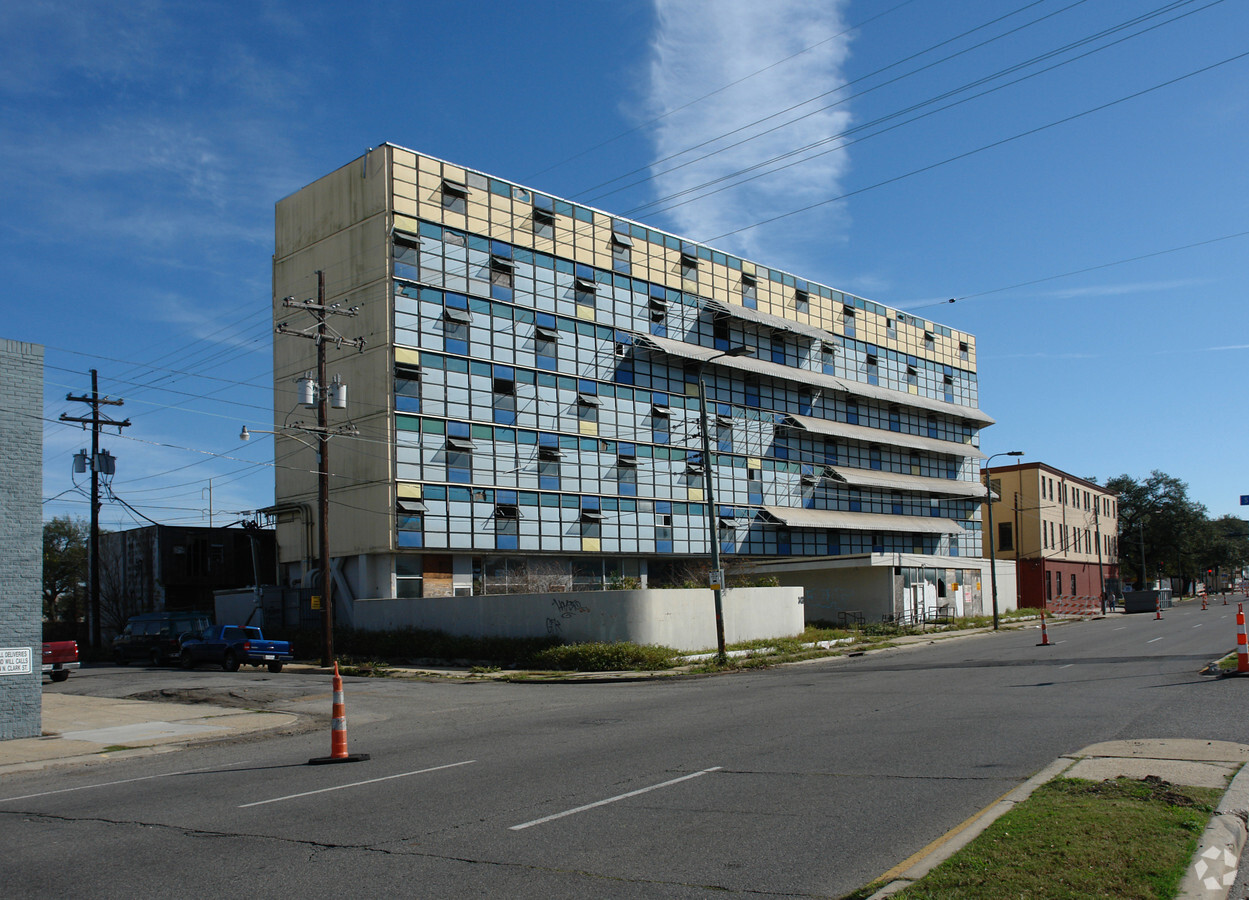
[(802, 781)]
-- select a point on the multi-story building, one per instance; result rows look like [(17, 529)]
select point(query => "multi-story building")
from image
[(527, 399), (1062, 531)]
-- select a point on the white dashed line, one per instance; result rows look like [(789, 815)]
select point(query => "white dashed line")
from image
[(645, 790), (358, 783)]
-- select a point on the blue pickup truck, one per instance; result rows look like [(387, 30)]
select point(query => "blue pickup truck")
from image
[(231, 646)]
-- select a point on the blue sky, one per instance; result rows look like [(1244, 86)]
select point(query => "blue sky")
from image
[(1072, 172)]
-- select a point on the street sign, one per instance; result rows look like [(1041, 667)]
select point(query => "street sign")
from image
[(1244, 499), (15, 661), (716, 578)]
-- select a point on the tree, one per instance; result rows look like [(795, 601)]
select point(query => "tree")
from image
[(64, 568), (1173, 528)]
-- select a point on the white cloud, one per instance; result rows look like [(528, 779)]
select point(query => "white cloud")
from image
[(703, 45)]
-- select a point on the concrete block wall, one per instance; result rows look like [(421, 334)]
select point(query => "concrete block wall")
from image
[(21, 536)]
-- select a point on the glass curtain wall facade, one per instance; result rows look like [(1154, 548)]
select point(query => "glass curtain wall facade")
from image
[(544, 368)]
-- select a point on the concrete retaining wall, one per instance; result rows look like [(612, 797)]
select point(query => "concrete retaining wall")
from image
[(683, 619)]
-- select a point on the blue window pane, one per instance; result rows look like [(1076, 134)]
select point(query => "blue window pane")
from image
[(411, 539)]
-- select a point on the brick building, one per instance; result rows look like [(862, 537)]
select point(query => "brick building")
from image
[(1061, 530), (21, 539)]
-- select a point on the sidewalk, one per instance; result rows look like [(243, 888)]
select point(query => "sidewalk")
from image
[(1195, 763), (90, 729)]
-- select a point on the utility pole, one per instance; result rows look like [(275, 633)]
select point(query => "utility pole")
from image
[(95, 401), (320, 334), (1097, 528)]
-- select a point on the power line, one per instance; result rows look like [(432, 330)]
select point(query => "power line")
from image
[(1118, 262), (820, 96), (861, 128), (969, 153)]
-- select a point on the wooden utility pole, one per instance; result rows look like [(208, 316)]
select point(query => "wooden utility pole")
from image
[(96, 421), (320, 334)]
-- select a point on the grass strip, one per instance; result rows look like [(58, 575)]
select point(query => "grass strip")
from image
[(1074, 839)]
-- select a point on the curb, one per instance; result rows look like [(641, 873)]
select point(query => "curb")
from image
[(1210, 875), (1217, 860), (913, 869)]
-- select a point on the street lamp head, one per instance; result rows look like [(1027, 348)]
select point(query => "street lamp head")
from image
[(243, 435), (1014, 453), (738, 351)]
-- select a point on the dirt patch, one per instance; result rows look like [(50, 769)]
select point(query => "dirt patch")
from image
[(236, 698), (1151, 787)]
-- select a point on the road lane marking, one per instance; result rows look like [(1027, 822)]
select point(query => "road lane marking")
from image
[(87, 787), (1068, 666), (1155, 640), (645, 790), (1120, 628), (1199, 624), (358, 783)]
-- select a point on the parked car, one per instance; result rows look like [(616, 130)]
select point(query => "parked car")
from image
[(59, 657), (156, 637), (231, 646)]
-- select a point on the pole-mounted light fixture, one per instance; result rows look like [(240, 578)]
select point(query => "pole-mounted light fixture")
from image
[(988, 502)]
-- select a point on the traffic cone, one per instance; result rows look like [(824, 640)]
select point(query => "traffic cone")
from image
[(1203, 604), (1045, 638), (1158, 612), (1242, 642), (338, 729)]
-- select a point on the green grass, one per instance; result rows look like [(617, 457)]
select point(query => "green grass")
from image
[(1075, 839), (605, 657)]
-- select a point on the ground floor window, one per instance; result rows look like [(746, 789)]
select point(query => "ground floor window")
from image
[(408, 577)]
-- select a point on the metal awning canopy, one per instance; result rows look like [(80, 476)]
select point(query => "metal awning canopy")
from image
[(797, 517), (698, 353), (866, 435)]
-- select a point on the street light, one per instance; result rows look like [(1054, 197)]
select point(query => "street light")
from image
[(988, 502), (717, 575)]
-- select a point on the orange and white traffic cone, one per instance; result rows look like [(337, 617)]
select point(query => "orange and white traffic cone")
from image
[(338, 729), (1045, 638), (1242, 641), (1158, 612), (1203, 604)]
